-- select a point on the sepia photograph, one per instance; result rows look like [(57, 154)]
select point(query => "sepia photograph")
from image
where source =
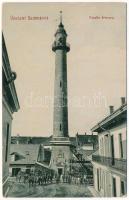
[(64, 102)]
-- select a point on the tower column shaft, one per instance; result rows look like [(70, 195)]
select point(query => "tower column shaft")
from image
[(60, 125)]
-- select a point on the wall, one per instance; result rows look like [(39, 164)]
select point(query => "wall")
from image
[(7, 119), (106, 174), (106, 181), (104, 144), (22, 168), (104, 177)]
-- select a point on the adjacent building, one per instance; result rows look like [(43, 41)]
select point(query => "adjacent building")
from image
[(23, 158), (87, 142), (27, 158), (10, 105), (110, 165)]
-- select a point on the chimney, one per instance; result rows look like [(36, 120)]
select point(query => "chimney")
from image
[(111, 109), (122, 101)]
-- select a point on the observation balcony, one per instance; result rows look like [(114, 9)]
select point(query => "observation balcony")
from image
[(62, 46)]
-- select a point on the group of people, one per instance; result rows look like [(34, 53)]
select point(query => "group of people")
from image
[(73, 179), (34, 178), (39, 178)]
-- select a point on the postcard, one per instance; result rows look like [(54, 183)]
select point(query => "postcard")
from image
[(64, 99)]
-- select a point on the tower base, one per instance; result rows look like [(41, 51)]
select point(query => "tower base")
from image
[(61, 155)]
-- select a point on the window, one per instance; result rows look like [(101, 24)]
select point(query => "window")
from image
[(13, 157), (16, 157), (122, 188), (121, 145), (102, 181), (60, 127), (112, 149), (98, 179), (27, 152), (7, 142), (60, 84), (102, 147), (114, 187)]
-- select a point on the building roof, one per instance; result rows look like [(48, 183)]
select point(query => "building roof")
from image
[(36, 140), (116, 118), (29, 153), (30, 140)]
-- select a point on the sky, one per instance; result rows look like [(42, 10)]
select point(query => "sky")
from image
[(96, 63)]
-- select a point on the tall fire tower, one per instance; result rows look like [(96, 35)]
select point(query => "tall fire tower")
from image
[(61, 154)]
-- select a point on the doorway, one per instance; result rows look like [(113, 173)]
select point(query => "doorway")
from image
[(28, 171), (60, 171), (15, 171)]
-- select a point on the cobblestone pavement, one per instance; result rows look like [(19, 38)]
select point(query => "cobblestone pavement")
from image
[(52, 190)]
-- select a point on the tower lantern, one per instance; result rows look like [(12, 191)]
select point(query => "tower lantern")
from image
[(60, 38)]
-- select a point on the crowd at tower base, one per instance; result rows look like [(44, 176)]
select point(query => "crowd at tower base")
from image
[(38, 178)]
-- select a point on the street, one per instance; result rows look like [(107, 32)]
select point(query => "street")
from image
[(51, 190)]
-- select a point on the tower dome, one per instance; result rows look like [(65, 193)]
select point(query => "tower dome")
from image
[(61, 29)]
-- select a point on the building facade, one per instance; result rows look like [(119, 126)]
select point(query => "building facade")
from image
[(87, 141), (23, 158), (29, 158), (10, 105), (110, 165)]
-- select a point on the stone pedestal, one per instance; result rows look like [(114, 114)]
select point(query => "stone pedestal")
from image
[(61, 155)]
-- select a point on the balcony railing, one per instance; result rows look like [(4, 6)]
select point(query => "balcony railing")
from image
[(60, 139), (56, 46), (118, 164)]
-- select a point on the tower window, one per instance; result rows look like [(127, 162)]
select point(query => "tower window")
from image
[(60, 127), (60, 84)]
